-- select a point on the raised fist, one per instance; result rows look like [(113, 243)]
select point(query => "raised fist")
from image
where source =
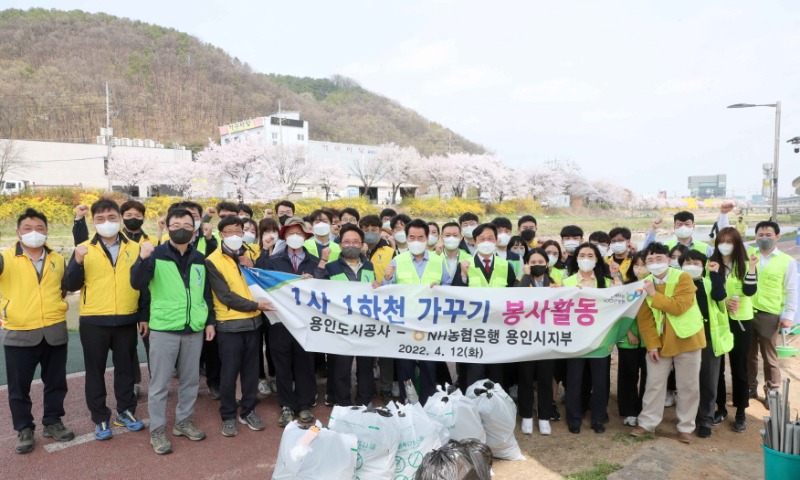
[(80, 253), (81, 211), (145, 250)]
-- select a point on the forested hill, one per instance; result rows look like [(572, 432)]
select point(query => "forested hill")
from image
[(172, 87)]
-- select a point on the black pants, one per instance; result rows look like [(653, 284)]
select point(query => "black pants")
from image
[(598, 401), (239, 356), (21, 364), (631, 380), (97, 341), (343, 373), (542, 372), (267, 353), (740, 394), (330, 375), (293, 365), (443, 374), (209, 358), (469, 373), (427, 377)]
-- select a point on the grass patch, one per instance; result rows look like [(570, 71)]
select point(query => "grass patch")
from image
[(601, 471), (628, 439)]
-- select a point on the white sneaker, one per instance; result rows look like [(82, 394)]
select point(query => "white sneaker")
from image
[(669, 400), (544, 427), (137, 389), (630, 421), (395, 390), (527, 426), (376, 374), (512, 392), (263, 389)]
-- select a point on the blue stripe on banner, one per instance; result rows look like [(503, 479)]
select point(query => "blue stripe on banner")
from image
[(267, 279)]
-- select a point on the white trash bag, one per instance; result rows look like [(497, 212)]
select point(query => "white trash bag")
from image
[(499, 417), (378, 436), (419, 435), (457, 413), (306, 451)]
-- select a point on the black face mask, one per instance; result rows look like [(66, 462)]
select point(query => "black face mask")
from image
[(283, 219), (527, 235), (133, 224), (181, 236), (538, 270)]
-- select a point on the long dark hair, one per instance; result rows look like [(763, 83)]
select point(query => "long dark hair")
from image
[(600, 268), (559, 264), (738, 256), (538, 251), (630, 275)]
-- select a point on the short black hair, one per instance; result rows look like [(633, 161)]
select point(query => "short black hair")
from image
[(319, 212), (284, 203), (483, 226), (696, 255), (657, 248), (31, 213), (370, 221), (571, 231), (683, 216), (349, 227), (243, 207), (245, 221), (502, 222), (190, 205), (405, 219), (625, 232), (526, 218), (600, 237), (350, 211), (132, 205), (450, 224), (416, 223), (227, 206), (104, 204), (178, 213), (388, 212), (230, 220), (768, 224), (468, 217)]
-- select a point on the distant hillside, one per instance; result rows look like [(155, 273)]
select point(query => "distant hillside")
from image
[(170, 86)]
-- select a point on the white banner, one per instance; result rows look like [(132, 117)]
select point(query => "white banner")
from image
[(472, 325)]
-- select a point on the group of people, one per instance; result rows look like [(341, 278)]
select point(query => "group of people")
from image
[(181, 292)]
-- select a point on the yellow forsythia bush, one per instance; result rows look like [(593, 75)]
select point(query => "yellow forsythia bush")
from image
[(57, 212), (305, 206), (430, 208)]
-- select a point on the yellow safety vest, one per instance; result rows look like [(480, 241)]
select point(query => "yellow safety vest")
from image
[(27, 302), (236, 282), (107, 288)]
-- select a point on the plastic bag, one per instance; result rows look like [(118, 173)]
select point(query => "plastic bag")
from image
[(378, 436), (306, 451), (457, 413), (499, 416), (419, 435), (468, 460)]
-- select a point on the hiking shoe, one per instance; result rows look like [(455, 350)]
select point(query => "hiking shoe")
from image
[(253, 421), (527, 426), (638, 432), (24, 441), (102, 431), (306, 416), (556, 414), (704, 432), (287, 415), (395, 390), (544, 427), (160, 442), (328, 400), (213, 392), (127, 420), (598, 427), (58, 432), (684, 437), (263, 389), (740, 425), (229, 428), (187, 429), (719, 417), (669, 399), (273, 385)]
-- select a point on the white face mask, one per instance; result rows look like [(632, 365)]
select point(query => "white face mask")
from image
[(198, 224), (433, 240), (249, 237), (33, 239), (322, 229), (271, 236), (387, 225), (684, 232), (694, 271), (400, 237), (519, 251), (233, 243), (571, 245), (416, 248), (619, 247), (675, 264), (295, 241), (551, 260), (467, 231), (586, 264), (657, 268), (725, 248), (107, 229), (503, 239), (487, 248), (451, 243), (603, 250)]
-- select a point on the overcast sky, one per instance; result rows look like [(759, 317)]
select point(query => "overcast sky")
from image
[(633, 91)]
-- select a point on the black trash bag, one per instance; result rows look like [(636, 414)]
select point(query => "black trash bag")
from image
[(468, 460)]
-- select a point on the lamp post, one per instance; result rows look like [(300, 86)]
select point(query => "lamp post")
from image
[(777, 106)]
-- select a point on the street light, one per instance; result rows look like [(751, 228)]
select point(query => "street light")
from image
[(777, 106)]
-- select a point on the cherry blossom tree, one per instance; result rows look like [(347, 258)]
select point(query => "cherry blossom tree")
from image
[(132, 168), (461, 172), (400, 163), (329, 176), (180, 176), (369, 170), (239, 165), (434, 170), (543, 183), (288, 165)]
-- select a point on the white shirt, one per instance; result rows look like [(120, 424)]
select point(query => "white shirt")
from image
[(789, 284)]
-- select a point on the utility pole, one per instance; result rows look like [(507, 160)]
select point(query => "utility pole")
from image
[(108, 136)]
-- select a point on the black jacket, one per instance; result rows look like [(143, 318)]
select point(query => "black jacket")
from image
[(281, 262)]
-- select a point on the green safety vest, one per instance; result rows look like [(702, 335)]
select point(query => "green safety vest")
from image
[(499, 276), (517, 266), (770, 294), (312, 246), (684, 325), (407, 274), (462, 255), (697, 245), (572, 281), (557, 274), (718, 325), (336, 272), (201, 245), (172, 304), (734, 287)]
